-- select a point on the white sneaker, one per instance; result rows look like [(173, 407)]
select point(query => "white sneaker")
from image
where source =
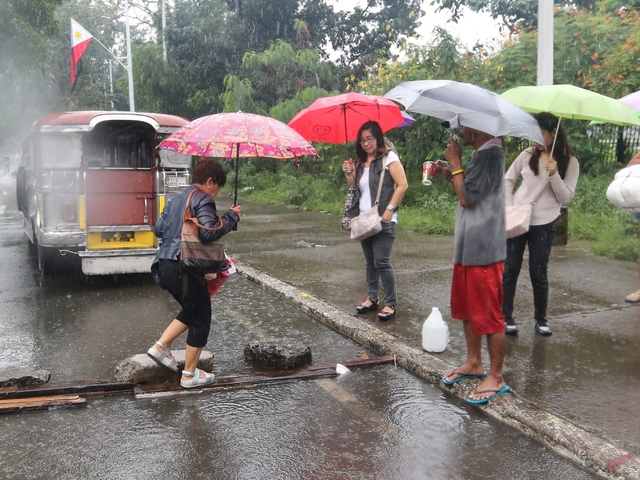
[(510, 327), (543, 328)]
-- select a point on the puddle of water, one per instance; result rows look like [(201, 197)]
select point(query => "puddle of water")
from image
[(382, 423), (377, 422)]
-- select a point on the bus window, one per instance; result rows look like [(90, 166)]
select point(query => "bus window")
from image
[(169, 159), (59, 150), (27, 159)]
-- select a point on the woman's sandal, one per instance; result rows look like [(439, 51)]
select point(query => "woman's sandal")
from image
[(196, 380), (162, 358), (384, 316), (362, 308)]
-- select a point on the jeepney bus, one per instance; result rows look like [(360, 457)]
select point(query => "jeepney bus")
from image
[(93, 184)]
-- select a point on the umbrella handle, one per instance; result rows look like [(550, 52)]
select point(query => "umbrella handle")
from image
[(545, 175), (235, 193), (555, 137)]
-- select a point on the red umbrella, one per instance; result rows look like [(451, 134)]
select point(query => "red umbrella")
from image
[(229, 135), (337, 119)]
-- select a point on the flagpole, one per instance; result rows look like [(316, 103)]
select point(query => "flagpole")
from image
[(164, 26), (132, 105), (117, 59)]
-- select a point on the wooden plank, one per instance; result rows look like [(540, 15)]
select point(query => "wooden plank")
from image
[(231, 383), (366, 362), (41, 403), (97, 389), (83, 388)]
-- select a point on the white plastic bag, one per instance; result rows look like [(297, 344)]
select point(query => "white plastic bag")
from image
[(624, 191)]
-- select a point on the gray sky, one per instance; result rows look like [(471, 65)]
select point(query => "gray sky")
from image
[(471, 28)]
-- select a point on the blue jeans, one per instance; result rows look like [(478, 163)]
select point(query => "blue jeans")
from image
[(539, 239), (377, 250)]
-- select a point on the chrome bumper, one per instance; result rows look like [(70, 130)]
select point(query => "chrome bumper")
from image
[(112, 262), (61, 239)]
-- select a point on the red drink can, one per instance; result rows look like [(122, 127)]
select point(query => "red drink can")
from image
[(428, 171)]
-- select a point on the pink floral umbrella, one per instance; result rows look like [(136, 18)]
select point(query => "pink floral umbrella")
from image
[(229, 135)]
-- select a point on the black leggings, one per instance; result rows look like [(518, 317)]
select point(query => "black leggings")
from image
[(193, 296), (539, 238)]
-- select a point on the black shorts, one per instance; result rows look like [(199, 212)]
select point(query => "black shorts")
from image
[(190, 290)]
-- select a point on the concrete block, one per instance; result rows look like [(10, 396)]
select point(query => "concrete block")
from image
[(277, 353), (141, 369), (21, 376)]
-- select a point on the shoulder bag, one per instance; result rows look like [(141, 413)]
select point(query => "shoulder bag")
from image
[(518, 218), (368, 224), (196, 256)]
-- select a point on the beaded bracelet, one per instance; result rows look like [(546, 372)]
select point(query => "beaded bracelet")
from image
[(457, 172)]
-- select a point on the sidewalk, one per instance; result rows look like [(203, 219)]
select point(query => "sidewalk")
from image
[(585, 373)]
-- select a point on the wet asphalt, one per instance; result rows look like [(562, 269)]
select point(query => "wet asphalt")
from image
[(586, 372), (382, 422)]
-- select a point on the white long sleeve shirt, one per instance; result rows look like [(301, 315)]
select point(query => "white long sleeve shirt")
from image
[(559, 193)]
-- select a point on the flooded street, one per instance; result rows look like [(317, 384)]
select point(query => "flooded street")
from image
[(378, 422)]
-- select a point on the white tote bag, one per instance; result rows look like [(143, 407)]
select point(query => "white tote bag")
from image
[(518, 218)]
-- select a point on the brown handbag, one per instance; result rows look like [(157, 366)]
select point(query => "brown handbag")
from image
[(196, 256)]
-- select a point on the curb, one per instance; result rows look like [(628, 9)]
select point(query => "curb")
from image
[(566, 439)]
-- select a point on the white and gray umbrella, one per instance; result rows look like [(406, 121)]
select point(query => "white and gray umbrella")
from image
[(467, 105)]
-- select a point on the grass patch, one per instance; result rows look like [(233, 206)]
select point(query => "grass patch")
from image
[(609, 231)]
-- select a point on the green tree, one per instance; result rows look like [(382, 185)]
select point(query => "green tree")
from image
[(593, 49), (285, 110), (257, 24), (366, 35), (238, 95), (200, 49), (25, 27), (280, 72)]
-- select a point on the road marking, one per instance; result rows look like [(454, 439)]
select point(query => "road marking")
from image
[(2, 209), (4, 192)]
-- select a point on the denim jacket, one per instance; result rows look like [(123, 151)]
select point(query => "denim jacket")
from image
[(388, 186)]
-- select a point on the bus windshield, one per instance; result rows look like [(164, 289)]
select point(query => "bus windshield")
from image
[(119, 144)]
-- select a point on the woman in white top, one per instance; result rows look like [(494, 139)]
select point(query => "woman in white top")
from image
[(374, 156), (558, 174)]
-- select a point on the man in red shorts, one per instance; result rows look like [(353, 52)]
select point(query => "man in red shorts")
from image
[(480, 250)]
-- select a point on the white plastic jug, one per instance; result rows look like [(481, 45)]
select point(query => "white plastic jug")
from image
[(435, 332)]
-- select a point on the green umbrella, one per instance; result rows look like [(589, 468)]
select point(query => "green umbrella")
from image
[(569, 101)]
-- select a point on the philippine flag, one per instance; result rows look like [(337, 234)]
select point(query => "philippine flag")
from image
[(80, 40)]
